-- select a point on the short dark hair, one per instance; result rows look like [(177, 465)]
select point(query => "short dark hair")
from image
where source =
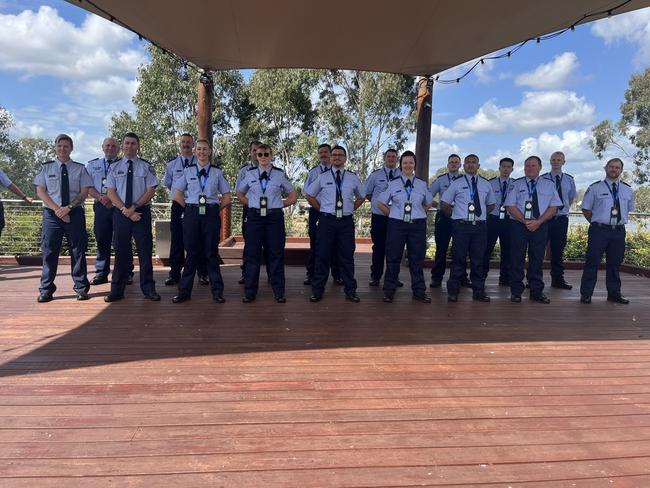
[(261, 145), (64, 137), (321, 146), (615, 159), (472, 155), (452, 155), (536, 158), (341, 148), (132, 135), (507, 160), (187, 134), (407, 154), (254, 143), (390, 149)]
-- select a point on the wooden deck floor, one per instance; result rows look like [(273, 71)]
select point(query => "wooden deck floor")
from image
[(329, 394)]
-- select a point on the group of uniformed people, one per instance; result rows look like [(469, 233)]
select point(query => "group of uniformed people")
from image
[(473, 213)]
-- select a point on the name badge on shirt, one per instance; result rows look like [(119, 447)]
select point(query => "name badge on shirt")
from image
[(202, 203), (104, 185), (471, 213), (528, 210), (339, 209), (264, 204), (502, 213), (407, 212), (613, 217)]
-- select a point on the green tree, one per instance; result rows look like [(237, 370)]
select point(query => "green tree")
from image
[(633, 128), (368, 113), (642, 199)]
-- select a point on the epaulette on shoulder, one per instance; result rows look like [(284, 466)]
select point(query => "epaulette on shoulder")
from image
[(440, 176), (595, 183), (77, 162), (483, 178), (95, 159), (626, 184), (172, 160), (250, 169), (393, 178), (420, 180), (351, 172), (142, 159), (567, 174), (212, 165), (192, 165), (493, 178), (517, 179), (48, 162), (278, 168)]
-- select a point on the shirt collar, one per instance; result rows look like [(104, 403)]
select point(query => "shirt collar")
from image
[(617, 181), (554, 174), (60, 163)]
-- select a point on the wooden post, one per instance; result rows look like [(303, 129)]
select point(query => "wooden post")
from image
[(205, 92), (423, 127)]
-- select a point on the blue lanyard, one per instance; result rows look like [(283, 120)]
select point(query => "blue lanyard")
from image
[(106, 168), (613, 193), (407, 189), (531, 189), (203, 180), (264, 182), (338, 186), (472, 192)]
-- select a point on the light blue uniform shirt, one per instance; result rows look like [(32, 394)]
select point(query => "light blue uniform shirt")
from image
[(98, 169), (278, 184), (458, 193), (324, 189), (499, 196), (396, 196), (144, 177), (49, 177), (568, 187), (243, 171), (314, 173), (5, 182), (441, 183), (214, 184), (174, 170), (518, 194), (599, 199), (377, 183)]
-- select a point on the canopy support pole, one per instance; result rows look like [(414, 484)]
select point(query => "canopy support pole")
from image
[(423, 126)]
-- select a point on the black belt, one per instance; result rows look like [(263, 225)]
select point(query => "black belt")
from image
[(193, 205), (605, 226), (256, 211), (333, 216), (560, 216), (469, 222)]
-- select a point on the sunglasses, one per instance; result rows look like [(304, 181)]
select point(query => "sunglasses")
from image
[(263, 155)]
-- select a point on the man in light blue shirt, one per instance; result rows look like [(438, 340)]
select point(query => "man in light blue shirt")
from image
[(243, 171)]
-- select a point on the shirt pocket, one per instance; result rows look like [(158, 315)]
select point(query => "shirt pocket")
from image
[(53, 183)]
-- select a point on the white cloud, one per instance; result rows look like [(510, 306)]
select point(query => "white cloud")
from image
[(550, 76), (442, 132), (90, 57), (632, 27), (537, 111)]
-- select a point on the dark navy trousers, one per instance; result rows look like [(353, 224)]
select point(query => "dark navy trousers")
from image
[(52, 233), (378, 232), (522, 240), (413, 236), (498, 229), (336, 234), (469, 239), (557, 235), (124, 230), (264, 233), (312, 228), (103, 228), (201, 239), (177, 246), (603, 239)]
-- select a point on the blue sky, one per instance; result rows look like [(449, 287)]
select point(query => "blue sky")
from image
[(63, 70)]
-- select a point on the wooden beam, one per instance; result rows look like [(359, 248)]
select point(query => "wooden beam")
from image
[(423, 127)]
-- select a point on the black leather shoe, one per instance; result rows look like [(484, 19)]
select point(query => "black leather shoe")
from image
[(219, 299), (585, 299), (171, 281), (44, 297), (280, 299), (399, 283), (338, 281), (99, 280), (307, 281), (422, 298), (452, 298), (204, 280), (315, 298), (515, 298), (352, 297), (113, 298), (562, 285), (541, 299), (180, 298), (82, 295), (154, 297), (481, 297), (618, 299), (527, 286), (374, 283), (388, 298), (466, 283), (248, 299), (435, 284), (129, 280), (241, 281)]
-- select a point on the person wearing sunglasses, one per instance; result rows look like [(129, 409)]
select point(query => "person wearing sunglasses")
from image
[(337, 193), (405, 203), (261, 191)]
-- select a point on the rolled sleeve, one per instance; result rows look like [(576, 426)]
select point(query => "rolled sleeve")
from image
[(384, 197), (4, 179), (86, 180), (314, 189), (223, 185), (449, 195), (588, 200), (151, 180)]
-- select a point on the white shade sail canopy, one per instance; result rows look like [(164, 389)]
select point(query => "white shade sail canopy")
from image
[(416, 37)]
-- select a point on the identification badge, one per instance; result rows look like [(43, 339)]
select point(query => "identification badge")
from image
[(103, 185), (502, 213), (528, 210), (202, 202), (407, 213), (471, 213), (339, 209), (613, 216), (264, 203)]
